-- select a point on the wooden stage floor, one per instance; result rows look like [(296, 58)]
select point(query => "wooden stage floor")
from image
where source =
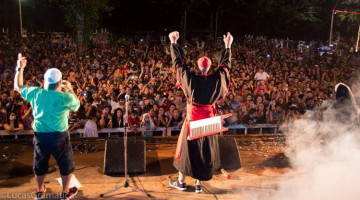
[(262, 156)]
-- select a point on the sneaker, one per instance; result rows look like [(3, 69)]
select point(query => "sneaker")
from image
[(72, 192), (176, 184), (40, 195), (198, 188)]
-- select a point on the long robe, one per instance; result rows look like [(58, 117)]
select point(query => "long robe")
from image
[(201, 157)]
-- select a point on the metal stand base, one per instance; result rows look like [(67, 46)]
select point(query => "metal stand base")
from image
[(125, 185)]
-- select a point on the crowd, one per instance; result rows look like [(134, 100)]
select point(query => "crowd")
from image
[(271, 80)]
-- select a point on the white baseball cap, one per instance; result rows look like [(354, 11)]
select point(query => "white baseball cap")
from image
[(51, 76)]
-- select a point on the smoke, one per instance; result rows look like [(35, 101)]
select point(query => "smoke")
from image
[(325, 156)]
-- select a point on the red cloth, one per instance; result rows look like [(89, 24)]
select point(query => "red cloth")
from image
[(198, 111), (124, 69), (202, 111), (246, 103), (22, 109), (134, 121), (258, 88)]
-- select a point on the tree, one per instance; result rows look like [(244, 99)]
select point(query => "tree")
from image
[(84, 15), (285, 16), (349, 21)]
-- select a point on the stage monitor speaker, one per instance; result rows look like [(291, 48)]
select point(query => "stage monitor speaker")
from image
[(229, 153), (114, 157)]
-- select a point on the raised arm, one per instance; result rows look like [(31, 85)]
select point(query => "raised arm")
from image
[(226, 54), (68, 87), (177, 53), (19, 78)]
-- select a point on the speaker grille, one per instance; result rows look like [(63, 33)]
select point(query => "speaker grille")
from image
[(114, 157), (229, 153)]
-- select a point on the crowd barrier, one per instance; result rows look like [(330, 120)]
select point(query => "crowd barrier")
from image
[(165, 131)]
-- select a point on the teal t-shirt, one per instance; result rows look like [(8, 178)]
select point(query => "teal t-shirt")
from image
[(50, 108)]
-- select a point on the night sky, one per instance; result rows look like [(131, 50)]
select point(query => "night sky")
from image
[(237, 16)]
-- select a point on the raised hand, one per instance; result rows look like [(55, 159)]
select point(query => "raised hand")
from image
[(228, 39), (21, 62), (174, 36), (67, 85)]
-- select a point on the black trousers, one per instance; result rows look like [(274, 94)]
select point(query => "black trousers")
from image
[(56, 144)]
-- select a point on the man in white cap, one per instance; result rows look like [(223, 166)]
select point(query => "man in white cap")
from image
[(51, 109)]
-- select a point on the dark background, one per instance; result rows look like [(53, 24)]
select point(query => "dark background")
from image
[(238, 16)]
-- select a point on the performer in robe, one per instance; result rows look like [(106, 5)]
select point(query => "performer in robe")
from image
[(345, 107), (201, 157)]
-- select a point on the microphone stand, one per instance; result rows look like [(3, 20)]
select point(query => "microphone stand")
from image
[(126, 182)]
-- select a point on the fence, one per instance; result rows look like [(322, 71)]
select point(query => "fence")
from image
[(166, 131)]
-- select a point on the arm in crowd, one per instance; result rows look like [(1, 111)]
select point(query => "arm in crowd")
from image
[(165, 75), (235, 83), (233, 87), (146, 52), (103, 122), (267, 114), (271, 119), (151, 72), (143, 89), (10, 127), (142, 70), (88, 112), (39, 82), (163, 120), (182, 122), (77, 84), (75, 126), (287, 96), (127, 80), (26, 113), (169, 122)]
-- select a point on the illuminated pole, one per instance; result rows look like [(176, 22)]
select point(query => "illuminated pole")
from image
[(332, 20), (357, 41), (20, 16), (331, 26)]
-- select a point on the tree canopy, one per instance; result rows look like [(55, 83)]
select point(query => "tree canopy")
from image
[(350, 22), (89, 10), (305, 19)]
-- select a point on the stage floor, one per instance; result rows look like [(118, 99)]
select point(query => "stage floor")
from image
[(264, 164)]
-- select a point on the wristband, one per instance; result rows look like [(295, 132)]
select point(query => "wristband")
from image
[(18, 69)]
